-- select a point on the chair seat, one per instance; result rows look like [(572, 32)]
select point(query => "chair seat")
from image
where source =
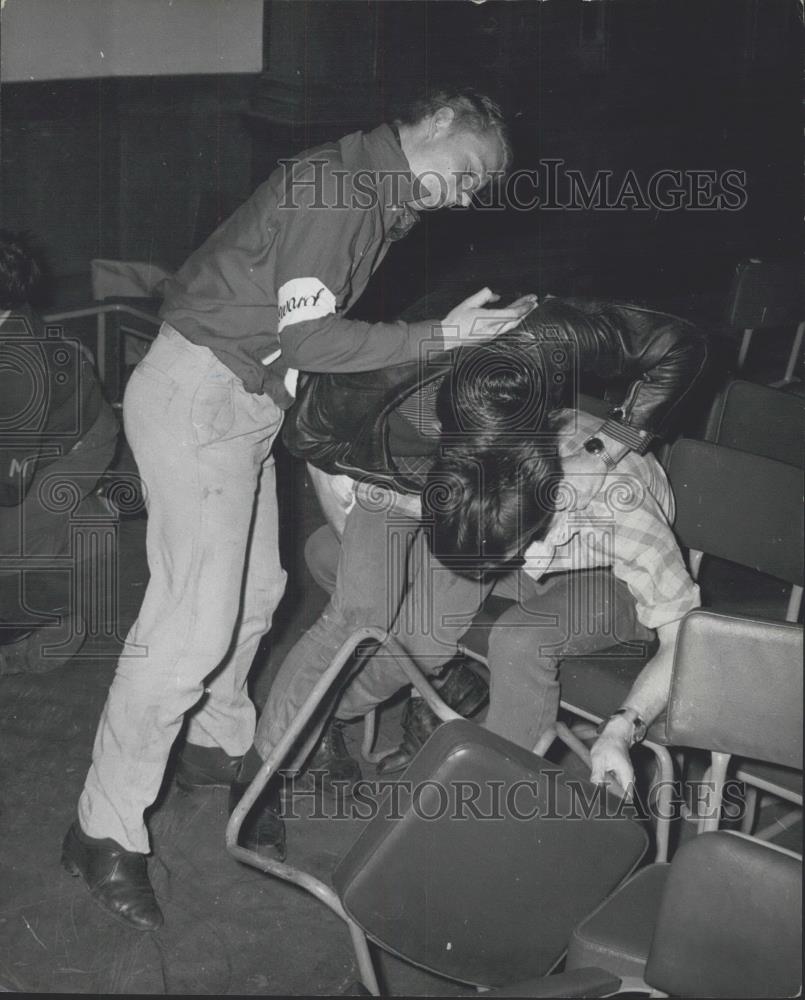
[(617, 935)]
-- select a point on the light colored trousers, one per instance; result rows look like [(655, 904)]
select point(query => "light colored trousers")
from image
[(201, 443)]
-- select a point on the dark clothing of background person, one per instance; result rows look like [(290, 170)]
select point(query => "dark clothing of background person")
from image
[(58, 435)]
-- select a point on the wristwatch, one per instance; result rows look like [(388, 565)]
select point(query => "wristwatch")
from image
[(640, 727), (595, 446)]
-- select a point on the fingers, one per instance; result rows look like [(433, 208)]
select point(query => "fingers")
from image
[(480, 298)]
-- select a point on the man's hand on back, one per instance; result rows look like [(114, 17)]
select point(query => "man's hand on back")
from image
[(470, 322)]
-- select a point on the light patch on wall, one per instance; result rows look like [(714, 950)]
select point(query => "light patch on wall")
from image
[(68, 39)]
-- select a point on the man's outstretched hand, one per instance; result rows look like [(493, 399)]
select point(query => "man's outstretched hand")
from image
[(611, 764), (470, 322)]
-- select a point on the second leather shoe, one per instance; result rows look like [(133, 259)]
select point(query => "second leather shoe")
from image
[(462, 690), (205, 767), (263, 829), (116, 878), (334, 770)]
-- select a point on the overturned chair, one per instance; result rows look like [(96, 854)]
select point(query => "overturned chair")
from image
[(544, 850)]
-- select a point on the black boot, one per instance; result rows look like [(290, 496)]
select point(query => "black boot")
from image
[(334, 771), (117, 879), (462, 690), (263, 829)]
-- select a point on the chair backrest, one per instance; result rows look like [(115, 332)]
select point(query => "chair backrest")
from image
[(739, 507), (766, 293), (736, 687), (760, 420), (489, 862), (730, 921)]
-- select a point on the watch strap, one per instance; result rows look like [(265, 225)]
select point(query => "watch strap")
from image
[(639, 726)]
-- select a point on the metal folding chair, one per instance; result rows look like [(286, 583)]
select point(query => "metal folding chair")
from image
[(402, 884)]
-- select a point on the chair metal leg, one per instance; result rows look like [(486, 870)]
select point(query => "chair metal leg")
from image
[(365, 964), (370, 755), (279, 869), (794, 604), (796, 347), (750, 810), (543, 744), (711, 816), (744, 348), (664, 798), (785, 822), (572, 742)]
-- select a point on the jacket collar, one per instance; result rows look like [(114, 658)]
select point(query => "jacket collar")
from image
[(379, 152)]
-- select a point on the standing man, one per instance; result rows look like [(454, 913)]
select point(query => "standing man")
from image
[(266, 296)]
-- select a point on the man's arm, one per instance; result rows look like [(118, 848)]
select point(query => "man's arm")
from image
[(327, 248), (666, 356), (646, 701)]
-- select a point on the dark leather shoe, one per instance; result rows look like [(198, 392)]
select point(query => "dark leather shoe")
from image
[(334, 770), (263, 829), (205, 767), (117, 879), (462, 690)]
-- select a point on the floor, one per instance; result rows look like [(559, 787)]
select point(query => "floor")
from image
[(229, 929)]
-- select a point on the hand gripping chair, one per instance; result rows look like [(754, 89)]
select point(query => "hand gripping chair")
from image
[(543, 850), (760, 530), (736, 690)]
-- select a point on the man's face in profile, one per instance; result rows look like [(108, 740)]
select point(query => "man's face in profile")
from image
[(455, 165)]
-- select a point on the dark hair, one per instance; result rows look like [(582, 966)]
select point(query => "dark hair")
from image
[(493, 391), (19, 271), (474, 112), (484, 507)]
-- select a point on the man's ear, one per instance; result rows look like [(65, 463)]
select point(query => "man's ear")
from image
[(441, 122)]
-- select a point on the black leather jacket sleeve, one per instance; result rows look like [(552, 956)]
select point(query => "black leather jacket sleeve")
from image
[(663, 354), (340, 422)]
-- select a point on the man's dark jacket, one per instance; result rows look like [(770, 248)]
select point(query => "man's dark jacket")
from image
[(346, 423)]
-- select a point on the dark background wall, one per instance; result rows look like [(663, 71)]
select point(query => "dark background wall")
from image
[(143, 168)]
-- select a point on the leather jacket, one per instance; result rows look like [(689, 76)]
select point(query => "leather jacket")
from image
[(341, 422)]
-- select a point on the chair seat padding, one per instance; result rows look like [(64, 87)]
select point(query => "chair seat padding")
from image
[(617, 935), (730, 921), (487, 901)]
